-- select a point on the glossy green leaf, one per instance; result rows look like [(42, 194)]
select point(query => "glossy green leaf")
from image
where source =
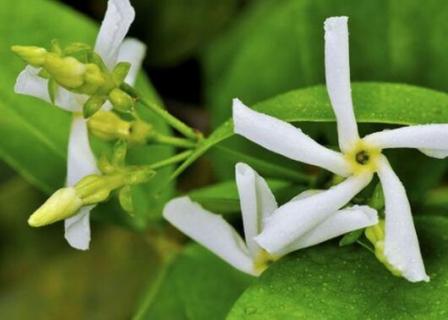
[(330, 282), (277, 45), (384, 103), (34, 133), (197, 286)]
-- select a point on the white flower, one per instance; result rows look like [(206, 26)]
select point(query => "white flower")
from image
[(257, 204), (113, 48), (358, 160)]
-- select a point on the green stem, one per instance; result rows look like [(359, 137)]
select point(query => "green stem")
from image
[(173, 141), (170, 119), (175, 159), (365, 246)]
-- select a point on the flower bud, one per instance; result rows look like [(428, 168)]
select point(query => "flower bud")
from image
[(121, 101), (139, 175), (140, 132), (62, 204), (94, 79), (120, 72), (375, 234), (94, 189), (68, 72), (92, 105), (108, 126), (34, 56), (125, 199)]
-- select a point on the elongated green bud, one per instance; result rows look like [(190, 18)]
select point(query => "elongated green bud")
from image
[(62, 204), (121, 101), (34, 56), (120, 72), (92, 105)]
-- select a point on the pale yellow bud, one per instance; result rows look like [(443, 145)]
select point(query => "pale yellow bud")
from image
[(34, 56), (109, 126), (68, 72), (94, 79), (63, 204), (94, 189)]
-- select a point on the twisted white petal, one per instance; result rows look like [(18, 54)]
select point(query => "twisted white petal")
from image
[(432, 139), (31, 84), (257, 203), (337, 75), (401, 246), (285, 139), (211, 231), (80, 163), (298, 217), (77, 229), (119, 17), (337, 224), (132, 51)]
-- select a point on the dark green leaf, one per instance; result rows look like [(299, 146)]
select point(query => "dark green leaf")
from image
[(277, 45), (197, 286), (330, 282)]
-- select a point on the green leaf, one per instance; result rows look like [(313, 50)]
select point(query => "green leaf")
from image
[(329, 282), (34, 133), (277, 45), (384, 103), (223, 197), (197, 286), (175, 30)]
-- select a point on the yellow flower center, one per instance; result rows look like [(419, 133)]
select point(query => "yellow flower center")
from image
[(262, 261), (363, 158)]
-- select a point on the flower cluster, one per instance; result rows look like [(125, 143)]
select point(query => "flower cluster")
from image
[(81, 80), (316, 216)]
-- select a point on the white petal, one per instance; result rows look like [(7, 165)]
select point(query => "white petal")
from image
[(211, 231), (257, 203), (432, 139), (285, 139), (339, 223), (294, 219), (77, 229), (132, 51), (337, 74), (401, 246), (119, 17), (80, 159), (434, 153), (29, 83)]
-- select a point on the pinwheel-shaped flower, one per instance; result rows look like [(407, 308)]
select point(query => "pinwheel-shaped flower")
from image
[(257, 204), (112, 48), (358, 160)]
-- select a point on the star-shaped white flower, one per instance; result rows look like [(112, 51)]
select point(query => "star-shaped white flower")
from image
[(257, 205), (358, 160), (113, 48)]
